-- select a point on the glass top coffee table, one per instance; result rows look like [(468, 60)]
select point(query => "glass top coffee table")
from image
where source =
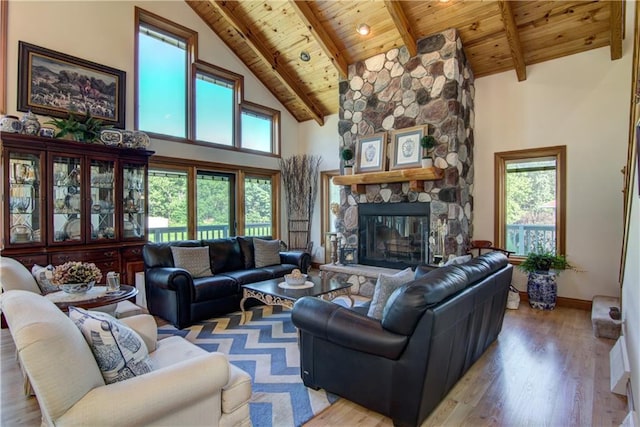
[(270, 293)]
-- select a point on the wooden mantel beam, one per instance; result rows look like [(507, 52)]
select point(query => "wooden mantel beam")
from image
[(321, 36), (263, 52), (513, 38), (616, 23), (402, 24)]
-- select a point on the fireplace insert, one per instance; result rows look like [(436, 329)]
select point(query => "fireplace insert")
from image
[(393, 235)]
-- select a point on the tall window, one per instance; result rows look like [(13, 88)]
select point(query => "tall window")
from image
[(530, 200), (215, 205), (168, 205), (258, 206), (260, 128), (162, 75), (215, 104), (330, 201), (189, 100)]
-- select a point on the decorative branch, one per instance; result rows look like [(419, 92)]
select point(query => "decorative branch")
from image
[(300, 176)]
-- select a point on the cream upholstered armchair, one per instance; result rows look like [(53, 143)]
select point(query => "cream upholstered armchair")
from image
[(187, 385), (14, 275)]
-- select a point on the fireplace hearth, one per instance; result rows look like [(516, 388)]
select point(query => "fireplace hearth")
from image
[(393, 235)]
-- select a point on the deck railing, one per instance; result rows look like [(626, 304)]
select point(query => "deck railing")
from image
[(205, 232), (524, 238)]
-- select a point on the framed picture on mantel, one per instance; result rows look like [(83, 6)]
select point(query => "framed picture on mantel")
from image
[(56, 84), (371, 153), (406, 147)]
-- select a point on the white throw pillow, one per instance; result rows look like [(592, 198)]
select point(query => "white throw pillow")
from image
[(385, 286), (194, 260), (43, 276), (119, 351), (266, 252), (458, 260)]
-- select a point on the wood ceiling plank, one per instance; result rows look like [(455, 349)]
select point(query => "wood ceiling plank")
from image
[(321, 36), (260, 49), (571, 47), (514, 39), (546, 30), (616, 22), (402, 24)]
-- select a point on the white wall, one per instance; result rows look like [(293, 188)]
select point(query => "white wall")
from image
[(631, 293), (104, 32), (321, 141), (581, 101)]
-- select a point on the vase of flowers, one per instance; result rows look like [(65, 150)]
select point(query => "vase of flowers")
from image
[(76, 277)]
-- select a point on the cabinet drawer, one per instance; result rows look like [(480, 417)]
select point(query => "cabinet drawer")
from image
[(30, 260), (107, 266), (88, 256), (132, 253)]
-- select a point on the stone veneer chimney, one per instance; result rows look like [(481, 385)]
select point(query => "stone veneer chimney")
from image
[(393, 91)]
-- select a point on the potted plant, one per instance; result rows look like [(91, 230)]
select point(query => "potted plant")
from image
[(428, 142), (85, 129), (347, 157), (543, 267)]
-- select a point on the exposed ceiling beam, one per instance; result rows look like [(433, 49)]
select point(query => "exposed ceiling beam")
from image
[(321, 36), (615, 28), (402, 24), (264, 53), (513, 38)]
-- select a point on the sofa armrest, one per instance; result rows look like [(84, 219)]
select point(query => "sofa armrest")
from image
[(300, 258), (148, 398), (347, 328), (145, 325), (171, 278)]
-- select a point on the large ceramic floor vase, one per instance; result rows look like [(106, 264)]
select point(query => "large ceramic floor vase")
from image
[(542, 290)]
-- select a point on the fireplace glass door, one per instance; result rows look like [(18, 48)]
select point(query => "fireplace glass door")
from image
[(394, 236)]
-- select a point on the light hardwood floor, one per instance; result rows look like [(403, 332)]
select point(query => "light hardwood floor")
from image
[(546, 368)]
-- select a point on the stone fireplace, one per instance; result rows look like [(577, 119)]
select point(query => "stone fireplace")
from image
[(394, 91)]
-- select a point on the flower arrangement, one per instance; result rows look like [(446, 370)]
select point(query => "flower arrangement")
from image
[(76, 272)]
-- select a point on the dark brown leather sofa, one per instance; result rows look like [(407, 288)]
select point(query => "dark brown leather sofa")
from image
[(173, 294), (432, 330)]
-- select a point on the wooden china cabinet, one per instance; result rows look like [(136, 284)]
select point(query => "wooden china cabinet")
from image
[(73, 201)]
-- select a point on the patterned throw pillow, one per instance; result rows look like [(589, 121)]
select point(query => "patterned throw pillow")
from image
[(267, 252), (385, 286), (118, 349), (194, 260), (42, 276)]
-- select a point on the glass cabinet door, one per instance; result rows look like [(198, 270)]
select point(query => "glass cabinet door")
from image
[(24, 201), (102, 203), (67, 199), (134, 200)]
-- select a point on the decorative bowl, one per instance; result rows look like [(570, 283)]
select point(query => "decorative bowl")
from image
[(77, 288), (295, 281)]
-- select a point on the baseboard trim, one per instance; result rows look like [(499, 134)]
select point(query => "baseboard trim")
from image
[(580, 304)]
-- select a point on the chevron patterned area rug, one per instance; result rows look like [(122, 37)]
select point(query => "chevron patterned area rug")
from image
[(266, 347)]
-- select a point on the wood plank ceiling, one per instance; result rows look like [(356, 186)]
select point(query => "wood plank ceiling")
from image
[(497, 35)]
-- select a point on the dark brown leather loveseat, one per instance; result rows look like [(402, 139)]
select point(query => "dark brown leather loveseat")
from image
[(173, 294), (432, 330)]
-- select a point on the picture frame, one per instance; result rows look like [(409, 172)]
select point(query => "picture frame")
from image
[(406, 150), (56, 84), (371, 153)]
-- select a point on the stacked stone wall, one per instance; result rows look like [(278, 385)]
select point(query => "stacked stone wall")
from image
[(393, 91)]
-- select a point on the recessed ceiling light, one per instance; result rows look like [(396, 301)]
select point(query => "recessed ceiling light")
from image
[(304, 56), (363, 29)]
